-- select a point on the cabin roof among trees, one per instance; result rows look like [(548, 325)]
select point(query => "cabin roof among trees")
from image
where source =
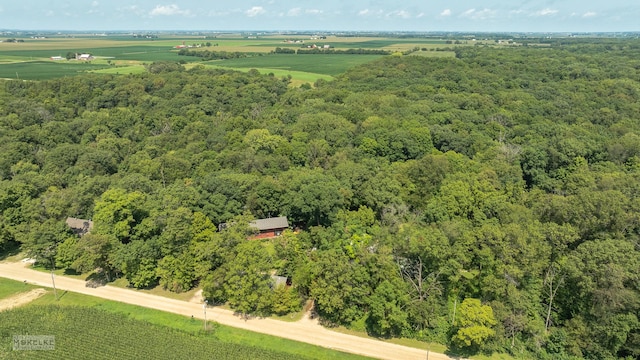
[(280, 222)]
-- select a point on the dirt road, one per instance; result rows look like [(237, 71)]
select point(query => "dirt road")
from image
[(305, 330)]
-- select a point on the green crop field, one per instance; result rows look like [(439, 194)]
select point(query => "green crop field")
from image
[(78, 320), (121, 70), (85, 333), (42, 70), (316, 63), (382, 43), (141, 53)]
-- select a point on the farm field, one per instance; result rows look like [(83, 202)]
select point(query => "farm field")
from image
[(123, 54), (123, 324), (82, 333), (43, 70), (316, 64)]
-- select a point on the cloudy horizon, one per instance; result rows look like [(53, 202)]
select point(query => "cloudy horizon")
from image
[(328, 15)]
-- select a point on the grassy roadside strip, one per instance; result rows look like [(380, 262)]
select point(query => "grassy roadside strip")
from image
[(10, 287), (222, 333)]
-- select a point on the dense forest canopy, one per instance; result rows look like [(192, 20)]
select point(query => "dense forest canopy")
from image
[(490, 202)]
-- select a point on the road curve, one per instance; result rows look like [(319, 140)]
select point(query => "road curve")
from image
[(305, 330)]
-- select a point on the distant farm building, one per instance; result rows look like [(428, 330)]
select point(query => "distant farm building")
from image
[(84, 57), (57, 58)]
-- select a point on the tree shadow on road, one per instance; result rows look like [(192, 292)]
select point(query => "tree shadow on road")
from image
[(96, 280)]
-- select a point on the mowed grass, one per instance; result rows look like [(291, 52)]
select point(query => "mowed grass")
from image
[(9, 288), (222, 333)]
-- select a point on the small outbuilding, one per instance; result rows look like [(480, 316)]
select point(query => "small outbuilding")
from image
[(79, 226)]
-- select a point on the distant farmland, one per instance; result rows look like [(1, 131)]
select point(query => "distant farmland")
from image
[(123, 54)]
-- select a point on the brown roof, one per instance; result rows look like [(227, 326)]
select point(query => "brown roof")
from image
[(270, 223)]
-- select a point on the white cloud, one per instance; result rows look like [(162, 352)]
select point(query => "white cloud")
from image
[(589, 14), (134, 9), (95, 4), (300, 11), (168, 10), (368, 12), (483, 14), (218, 13), (400, 14), (545, 12), (446, 12), (255, 11), (294, 12)]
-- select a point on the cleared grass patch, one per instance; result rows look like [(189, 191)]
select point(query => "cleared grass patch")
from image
[(10, 287)]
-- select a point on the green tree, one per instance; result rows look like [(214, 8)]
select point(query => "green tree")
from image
[(474, 323), (95, 252), (118, 212), (387, 315), (247, 282), (285, 300), (340, 287), (176, 273), (137, 261), (311, 196)]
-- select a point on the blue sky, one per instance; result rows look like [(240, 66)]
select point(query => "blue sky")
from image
[(357, 15)]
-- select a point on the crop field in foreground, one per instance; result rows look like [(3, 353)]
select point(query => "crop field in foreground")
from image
[(85, 333), (77, 320)]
